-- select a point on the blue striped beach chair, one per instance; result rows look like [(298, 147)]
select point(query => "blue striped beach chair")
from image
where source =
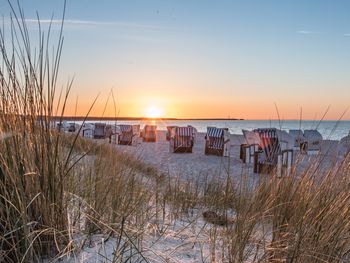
[(270, 156), (217, 141), (149, 133), (125, 135), (181, 139)]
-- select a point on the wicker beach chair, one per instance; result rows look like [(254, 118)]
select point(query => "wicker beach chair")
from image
[(149, 133), (125, 135), (100, 131), (181, 139), (217, 141), (87, 131), (271, 154), (313, 140)]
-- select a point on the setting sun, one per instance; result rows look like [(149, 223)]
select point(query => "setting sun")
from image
[(153, 112)]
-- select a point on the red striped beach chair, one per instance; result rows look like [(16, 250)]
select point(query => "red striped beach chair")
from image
[(125, 135), (217, 141), (181, 139), (270, 156), (149, 133)]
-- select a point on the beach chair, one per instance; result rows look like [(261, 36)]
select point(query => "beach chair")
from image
[(73, 127), (62, 126), (181, 139), (271, 155), (87, 131), (343, 148), (251, 145), (125, 136), (313, 140), (100, 131), (299, 138), (217, 141), (149, 133), (168, 132)]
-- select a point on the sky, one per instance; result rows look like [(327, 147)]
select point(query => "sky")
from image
[(203, 59)]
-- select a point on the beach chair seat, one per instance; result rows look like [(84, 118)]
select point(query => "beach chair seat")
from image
[(149, 133), (272, 155), (125, 136), (181, 139), (313, 140), (217, 142)]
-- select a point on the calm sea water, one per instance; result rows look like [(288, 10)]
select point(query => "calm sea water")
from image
[(333, 130)]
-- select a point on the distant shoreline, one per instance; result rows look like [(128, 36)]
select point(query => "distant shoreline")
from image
[(80, 118)]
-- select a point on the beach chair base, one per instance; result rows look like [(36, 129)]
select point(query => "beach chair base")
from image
[(211, 151), (247, 151), (149, 139), (183, 150), (125, 142)]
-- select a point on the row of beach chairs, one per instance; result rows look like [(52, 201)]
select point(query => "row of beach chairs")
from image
[(181, 139), (267, 148)]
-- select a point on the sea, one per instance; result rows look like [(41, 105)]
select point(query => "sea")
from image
[(331, 130)]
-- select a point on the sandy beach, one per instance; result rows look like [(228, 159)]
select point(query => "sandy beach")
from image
[(198, 166)]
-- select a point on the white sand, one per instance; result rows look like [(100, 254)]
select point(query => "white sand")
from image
[(197, 165)]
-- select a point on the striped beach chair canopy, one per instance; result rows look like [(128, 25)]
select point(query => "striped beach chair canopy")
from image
[(213, 132), (125, 128), (184, 131)]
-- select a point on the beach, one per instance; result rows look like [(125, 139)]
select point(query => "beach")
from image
[(198, 166)]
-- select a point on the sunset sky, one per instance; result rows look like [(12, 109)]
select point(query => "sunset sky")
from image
[(203, 59)]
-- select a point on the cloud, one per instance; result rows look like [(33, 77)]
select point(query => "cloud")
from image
[(346, 35), (307, 32), (87, 23)]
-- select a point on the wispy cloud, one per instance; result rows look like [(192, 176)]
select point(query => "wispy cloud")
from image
[(307, 32), (87, 23), (346, 34)]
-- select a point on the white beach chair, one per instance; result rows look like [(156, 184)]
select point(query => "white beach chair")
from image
[(87, 131), (313, 140), (299, 138), (343, 148)]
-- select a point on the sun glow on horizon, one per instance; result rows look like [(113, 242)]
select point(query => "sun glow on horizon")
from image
[(153, 112)]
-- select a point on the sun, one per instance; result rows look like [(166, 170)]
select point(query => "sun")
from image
[(153, 112)]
